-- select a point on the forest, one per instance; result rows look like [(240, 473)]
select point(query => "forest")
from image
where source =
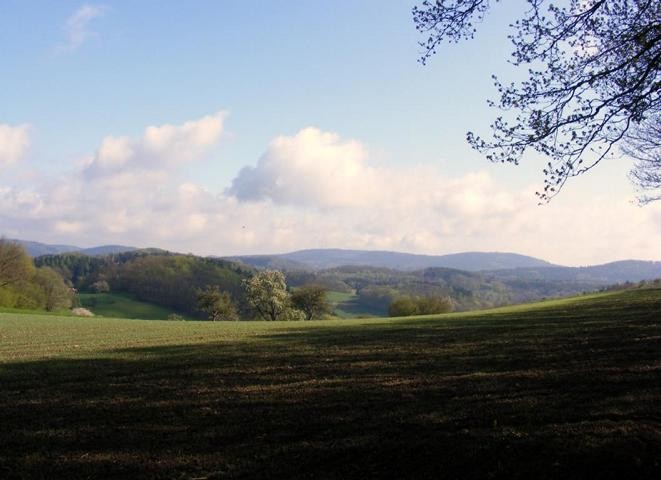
[(178, 283), (155, 276)]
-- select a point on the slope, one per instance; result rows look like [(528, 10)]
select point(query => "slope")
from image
[(562, 389)]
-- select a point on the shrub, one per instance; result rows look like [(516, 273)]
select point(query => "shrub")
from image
[(406, 305), (311, 300), (101, 286), (216, 304)]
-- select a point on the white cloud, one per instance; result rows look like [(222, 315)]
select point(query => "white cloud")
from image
[(14, 142), (314, 189), (77, 28), (319, 169), (312, 168), (159, 147)]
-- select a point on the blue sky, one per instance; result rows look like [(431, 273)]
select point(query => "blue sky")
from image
[(319, 100)]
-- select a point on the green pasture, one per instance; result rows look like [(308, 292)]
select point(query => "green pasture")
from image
[(346, 305), (120, 305)]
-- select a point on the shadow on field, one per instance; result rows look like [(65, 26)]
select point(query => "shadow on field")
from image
[(564, 395)]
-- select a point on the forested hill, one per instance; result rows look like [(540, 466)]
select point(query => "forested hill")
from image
[(511, 267), (320, 259), (155, 276), (606, 274), (173, 280), (37, 249), (377, 287)]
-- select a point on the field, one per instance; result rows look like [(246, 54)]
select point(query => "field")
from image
[(346, 305), (122, 306), (562, 389)]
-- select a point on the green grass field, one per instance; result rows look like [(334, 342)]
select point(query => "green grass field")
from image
[(560, 389), (120, 305), (346, 305)]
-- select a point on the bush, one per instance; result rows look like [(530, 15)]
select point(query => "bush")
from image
[(377, 296), (216, 304), (406, 306), (55, 293), (101, 286), (403, 307), (311, 300), (433, 304), (292, 314)]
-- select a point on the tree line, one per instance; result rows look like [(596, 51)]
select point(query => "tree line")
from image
[(198, 287), (268, 298), (194, 286), (23, 285)]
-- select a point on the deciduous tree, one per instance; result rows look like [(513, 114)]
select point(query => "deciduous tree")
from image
[(15, 264), (266, 293), (644, 145), (593, 80), (425, 305), (56, 294), (218, 305), (311, 300)]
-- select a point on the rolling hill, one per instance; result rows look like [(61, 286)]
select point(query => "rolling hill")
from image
[(606, 274), (503, 266), (37, 249), (320, 259)]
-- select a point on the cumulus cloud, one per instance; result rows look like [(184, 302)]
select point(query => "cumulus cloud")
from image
[(315, 189), (158, 147), (14, 142), (312, 167), (122, 189), (77, 29), (319, 169)]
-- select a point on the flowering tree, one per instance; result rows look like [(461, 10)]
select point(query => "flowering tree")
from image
[(266, 293)]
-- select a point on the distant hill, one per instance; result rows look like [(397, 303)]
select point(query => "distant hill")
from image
[(106, 250), (509, 267), (171, 280), (606, 274), (320, 259), (36, 249)]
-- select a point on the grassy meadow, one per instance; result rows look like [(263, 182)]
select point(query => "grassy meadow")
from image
[(346, 305), (120, 305), (561, 389)]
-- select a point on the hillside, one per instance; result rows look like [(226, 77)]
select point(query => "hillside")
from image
[(503, 266), (36, 249), (320, 259), (375, 288), (561, 389), (366, 290), (119, 305), (172, 280), (160, 278), (606, 274)]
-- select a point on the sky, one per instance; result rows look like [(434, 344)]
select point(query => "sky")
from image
[(232, 127)]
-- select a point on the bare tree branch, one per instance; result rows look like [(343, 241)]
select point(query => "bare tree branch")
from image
[(593, 82)]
